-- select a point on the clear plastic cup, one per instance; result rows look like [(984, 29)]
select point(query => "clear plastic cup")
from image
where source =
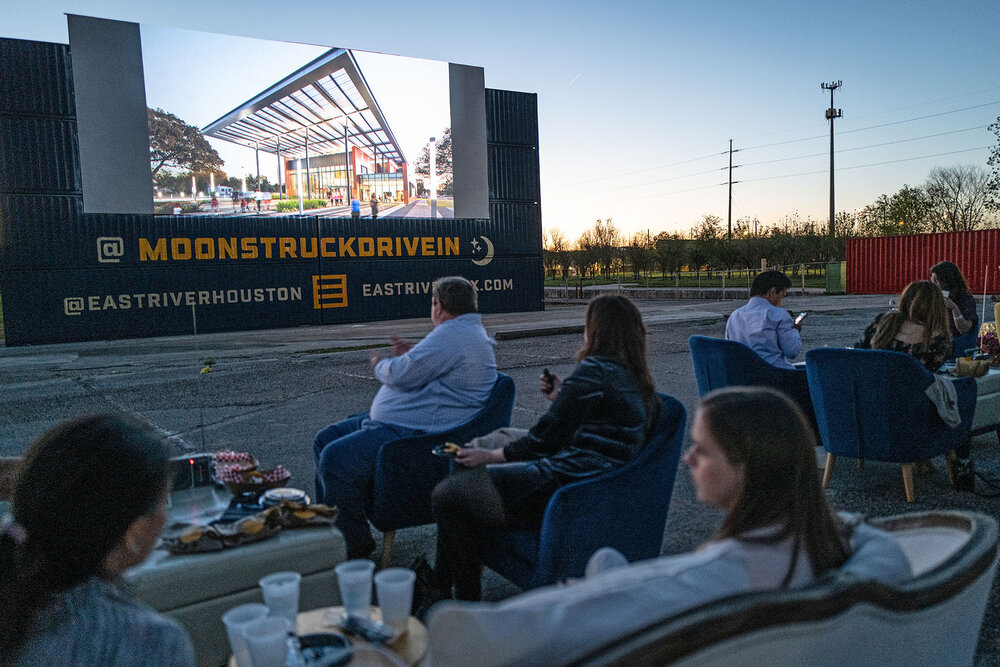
[(281, 594), (267, 641), (394, 588), (354, 577), (234, 620)]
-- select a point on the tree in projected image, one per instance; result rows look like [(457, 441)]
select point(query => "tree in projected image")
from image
[(173, 144)]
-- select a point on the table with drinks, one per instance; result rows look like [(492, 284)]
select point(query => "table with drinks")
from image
[(275, 634)]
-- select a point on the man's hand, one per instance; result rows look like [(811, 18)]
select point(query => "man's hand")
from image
[(400, 346), (474, 458), (375, 356)]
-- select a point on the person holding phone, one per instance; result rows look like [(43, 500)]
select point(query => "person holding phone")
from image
[(763, 325)]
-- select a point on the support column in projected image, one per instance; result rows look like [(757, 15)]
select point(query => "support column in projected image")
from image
[(434, 191), (322, 119)]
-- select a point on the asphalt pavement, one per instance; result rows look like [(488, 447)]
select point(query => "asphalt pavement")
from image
[(269, 392)]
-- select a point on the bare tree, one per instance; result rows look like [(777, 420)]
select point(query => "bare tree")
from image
[(639, 252), (958, 198)]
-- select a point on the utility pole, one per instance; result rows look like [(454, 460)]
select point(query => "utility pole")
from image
[(730, 233), (831, 114)]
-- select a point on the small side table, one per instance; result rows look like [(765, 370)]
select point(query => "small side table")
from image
[(410, 647)]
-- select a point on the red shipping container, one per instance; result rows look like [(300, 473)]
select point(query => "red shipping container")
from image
[(886, 264)]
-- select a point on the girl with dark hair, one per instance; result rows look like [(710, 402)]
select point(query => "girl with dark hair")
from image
[(919, 327), (762, 472), (958, 299), (89, 502), (599, 419)]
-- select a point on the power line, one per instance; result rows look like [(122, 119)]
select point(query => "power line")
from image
[(638, 171)]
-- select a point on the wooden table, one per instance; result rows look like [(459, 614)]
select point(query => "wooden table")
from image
[(409, 647)]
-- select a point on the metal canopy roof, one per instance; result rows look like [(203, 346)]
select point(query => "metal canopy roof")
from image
[(318, 100)]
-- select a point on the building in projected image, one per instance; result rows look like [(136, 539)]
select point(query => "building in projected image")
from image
[(325, 128)]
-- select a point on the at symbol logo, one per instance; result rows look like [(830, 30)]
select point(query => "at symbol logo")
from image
[(110, 249)]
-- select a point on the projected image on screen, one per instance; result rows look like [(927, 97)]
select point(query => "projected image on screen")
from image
[(242, 126)]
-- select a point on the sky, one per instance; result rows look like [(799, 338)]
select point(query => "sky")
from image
[(638, 100)]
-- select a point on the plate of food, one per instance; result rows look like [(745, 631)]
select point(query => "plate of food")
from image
[(447, 450)]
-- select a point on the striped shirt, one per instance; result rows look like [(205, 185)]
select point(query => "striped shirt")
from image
[(94, 623)]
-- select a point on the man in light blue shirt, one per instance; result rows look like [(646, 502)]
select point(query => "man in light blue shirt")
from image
[(430, 387), (763, 325)]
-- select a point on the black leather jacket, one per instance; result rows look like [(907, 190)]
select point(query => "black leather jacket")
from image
[(596, 422)]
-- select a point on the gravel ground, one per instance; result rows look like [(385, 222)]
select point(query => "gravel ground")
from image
[(269, 392)]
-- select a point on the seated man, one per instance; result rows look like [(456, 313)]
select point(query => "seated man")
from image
[(430, 387), (763, 325)]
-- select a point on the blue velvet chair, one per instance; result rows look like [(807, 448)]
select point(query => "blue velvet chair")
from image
[(727, 363), (625, 509), (406, 471), (967, 341), (870, 404)]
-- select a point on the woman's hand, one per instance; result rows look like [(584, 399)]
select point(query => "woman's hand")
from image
[(962, 324), (470, 457), (549, 384)]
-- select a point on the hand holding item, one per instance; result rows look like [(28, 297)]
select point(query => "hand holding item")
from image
[(400, 346), (474, 458), (549, 384), (374, 356)]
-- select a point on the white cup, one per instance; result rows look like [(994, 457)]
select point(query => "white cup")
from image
[(394, 588), (267, 641), (234, 620), (354, 577), (281, 593)]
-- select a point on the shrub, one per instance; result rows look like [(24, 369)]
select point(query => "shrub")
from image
[(293, 204)]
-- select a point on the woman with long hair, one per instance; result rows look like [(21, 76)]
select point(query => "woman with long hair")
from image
[(752, 455), (89, 502), (599, 419), (918, 327), (958, 299)]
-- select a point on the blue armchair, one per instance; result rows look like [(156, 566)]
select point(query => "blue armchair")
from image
[(967, 341), (726, 363), (584, 516), (406, 471), (870, 404)]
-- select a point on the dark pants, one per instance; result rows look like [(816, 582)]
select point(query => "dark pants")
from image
[(469, 503), (345, 455)]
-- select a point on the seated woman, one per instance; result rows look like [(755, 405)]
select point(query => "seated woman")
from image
[(919, 327), (961, 305), (752, 456), (89, 502), (599, 419)]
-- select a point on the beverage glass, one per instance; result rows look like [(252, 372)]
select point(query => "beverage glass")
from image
[(281, 593), (394, 588), (354, 577), (234, 620), (267, 641)]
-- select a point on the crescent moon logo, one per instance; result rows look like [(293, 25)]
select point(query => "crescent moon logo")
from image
[(489, 253)]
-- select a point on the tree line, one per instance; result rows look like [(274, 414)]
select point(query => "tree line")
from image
[(952, 199)]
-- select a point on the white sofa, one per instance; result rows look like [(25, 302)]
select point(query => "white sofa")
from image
[(933, 618)]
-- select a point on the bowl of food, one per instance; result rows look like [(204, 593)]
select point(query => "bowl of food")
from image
[(254, 481)]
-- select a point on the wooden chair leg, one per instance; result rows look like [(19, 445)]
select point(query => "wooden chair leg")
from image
[(861, 464), (388, 538), (831, 459), (908, 481), (949, 459)]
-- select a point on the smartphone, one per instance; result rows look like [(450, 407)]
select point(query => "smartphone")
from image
[(548, 376), (802, 316)]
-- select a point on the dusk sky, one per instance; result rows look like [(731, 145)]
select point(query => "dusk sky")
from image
[(638, 100)]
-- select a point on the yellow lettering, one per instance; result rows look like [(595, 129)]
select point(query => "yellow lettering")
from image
[(427, 246), (268, 241), (180, 248), (227, 248), (286, 247), (384, 246), (324, 247), (345, 248), (248, 247), (366, 246), (411, 249), (204, 249), (148, 253), (302, 247), (451, 246)]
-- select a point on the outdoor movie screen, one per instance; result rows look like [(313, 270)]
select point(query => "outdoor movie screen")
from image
[(241, 126)]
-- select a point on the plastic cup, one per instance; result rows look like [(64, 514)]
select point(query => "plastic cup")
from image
[(267, 641), (234, 620), (394, 588), (354, 577), (281, 593)]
